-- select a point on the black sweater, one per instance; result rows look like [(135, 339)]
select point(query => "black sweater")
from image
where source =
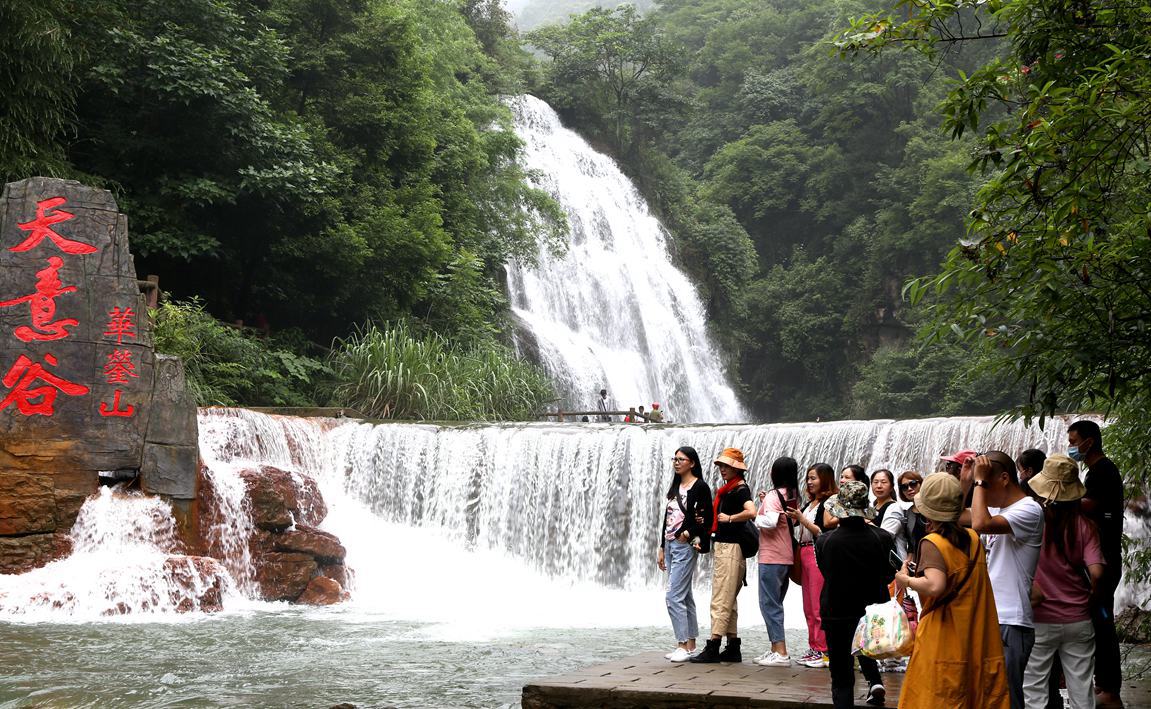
[(698, 502), (853, 559)]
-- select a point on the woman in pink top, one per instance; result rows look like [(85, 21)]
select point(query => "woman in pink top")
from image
[(809, 524), (1070, 564), (775, 555)]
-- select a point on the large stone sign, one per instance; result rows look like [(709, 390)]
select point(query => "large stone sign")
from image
[(82, 393)]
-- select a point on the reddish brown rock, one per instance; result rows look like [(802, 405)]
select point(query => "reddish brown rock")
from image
[(280, 498), (201, 579), (312, 508), (322, 591), (338, 573), (272, 494), (19, 555), (27, 504), (284, 576), (285, 548), (324, 546)]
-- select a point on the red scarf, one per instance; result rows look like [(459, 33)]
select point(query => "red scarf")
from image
[(727, 487)]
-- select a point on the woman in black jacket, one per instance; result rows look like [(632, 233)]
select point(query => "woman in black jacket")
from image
[(684, 534), (854, 561)]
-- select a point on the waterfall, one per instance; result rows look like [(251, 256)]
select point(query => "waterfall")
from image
[(580, 503), (124, 561), (612, 312), (559, 513)]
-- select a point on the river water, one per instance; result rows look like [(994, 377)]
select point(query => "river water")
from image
[(484, 556)]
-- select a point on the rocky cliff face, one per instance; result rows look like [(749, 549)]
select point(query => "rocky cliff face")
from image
[(82, 392)]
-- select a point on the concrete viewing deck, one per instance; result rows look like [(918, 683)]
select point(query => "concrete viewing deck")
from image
[(648, 680)]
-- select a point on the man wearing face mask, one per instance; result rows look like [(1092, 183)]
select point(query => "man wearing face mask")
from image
[(1104, 504)]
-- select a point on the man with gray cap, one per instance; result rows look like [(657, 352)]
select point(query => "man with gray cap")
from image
[(853, 558)]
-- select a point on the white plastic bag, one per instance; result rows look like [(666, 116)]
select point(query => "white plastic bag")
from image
[(883, 632)]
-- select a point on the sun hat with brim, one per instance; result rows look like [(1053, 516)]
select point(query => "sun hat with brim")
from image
[(732, 457), (851, 501), (940, 498), (1059, 480), (959, 457)]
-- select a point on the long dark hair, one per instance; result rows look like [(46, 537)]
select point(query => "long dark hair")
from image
[(785, 475), (858, 473), (1061, 526), (696, 469)]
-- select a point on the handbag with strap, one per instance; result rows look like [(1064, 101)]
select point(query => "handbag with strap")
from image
[(795, 572)]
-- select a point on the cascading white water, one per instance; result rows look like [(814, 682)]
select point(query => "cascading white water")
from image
[(613, 312), (124, 561), (559, 511), (580, 503), (584, 502)]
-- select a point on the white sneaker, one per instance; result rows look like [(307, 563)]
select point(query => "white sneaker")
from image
[(762, 656), (774, 659), (667, 655), (876, 695), (680, 655)]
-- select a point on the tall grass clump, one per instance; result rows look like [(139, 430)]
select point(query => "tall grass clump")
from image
[(393, 373)]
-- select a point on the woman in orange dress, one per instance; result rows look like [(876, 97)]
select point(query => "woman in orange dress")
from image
[(957, 662)]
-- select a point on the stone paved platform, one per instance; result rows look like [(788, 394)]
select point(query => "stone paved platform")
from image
[(649, 681)]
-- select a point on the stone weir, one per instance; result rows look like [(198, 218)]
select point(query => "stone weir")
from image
[(84, 394)]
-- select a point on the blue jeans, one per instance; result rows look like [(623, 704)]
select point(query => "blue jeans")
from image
[(681, 560), (772, 586)]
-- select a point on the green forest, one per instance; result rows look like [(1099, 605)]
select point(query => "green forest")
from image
[(890, 211)]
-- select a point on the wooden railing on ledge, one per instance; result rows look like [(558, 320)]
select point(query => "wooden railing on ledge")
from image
[(594, 415)]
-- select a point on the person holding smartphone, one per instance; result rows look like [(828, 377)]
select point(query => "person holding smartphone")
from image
[(686, 519), (776, 555)]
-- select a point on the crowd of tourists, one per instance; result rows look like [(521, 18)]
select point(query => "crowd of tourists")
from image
[(1006, 567)]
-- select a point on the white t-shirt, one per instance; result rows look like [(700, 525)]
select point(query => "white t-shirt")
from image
[(1012, 558)]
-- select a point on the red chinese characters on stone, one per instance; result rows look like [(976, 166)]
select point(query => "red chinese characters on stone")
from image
[(47, 216), (119, 367), (43, 306), (23, 374), (114, 409), (121, 324)]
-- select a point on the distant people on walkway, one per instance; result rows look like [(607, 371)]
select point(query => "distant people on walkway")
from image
[(603, 406), (1011, 525), (732, 506), (1103, 503), (809, 524), (776, 555), (853, 559), (686, 523), (656, 416), (1071, 565), (958, 658), (883, 488)]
